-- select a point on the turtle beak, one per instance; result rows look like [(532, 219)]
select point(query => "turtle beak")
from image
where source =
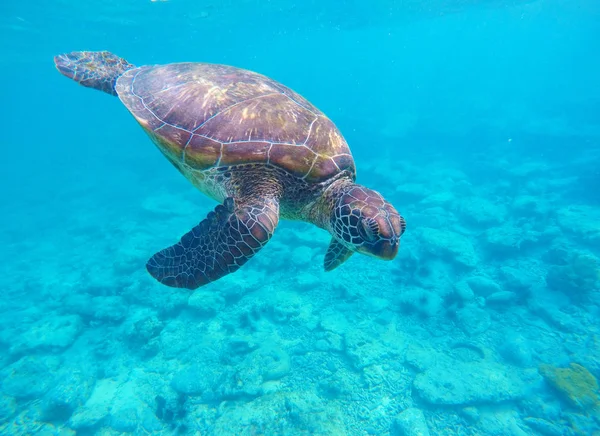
[(385, 249)]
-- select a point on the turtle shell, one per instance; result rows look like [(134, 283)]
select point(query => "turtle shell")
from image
[(208, 115)]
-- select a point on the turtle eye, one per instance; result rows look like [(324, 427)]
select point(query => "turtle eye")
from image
[(368, 229)]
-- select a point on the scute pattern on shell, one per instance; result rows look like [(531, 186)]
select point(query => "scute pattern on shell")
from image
[(207, 115)]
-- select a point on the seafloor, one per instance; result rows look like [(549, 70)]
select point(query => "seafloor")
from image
[(486, 324)]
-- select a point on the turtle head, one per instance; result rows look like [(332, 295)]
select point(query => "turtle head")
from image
[(363, 221)]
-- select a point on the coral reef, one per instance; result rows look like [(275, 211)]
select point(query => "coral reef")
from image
[(578, 278), (497, 273)]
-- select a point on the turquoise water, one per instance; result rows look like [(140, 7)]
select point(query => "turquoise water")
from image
[(478, 120)]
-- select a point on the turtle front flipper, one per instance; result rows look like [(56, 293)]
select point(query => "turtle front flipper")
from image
[(94, 69), (218, 246), (336, 254)]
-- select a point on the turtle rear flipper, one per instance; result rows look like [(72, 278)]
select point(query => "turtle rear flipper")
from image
[(225, 240), (94, 69)]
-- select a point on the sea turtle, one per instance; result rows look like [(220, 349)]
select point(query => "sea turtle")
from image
[(255, 146)]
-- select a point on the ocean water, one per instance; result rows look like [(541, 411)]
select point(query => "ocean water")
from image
[(480, 122)]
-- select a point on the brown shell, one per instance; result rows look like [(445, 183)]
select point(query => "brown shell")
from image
[(208, 115)]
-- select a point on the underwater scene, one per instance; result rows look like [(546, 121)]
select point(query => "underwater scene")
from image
[(309, 217)]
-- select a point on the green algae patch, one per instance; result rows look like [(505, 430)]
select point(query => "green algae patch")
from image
[(575, 383)]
